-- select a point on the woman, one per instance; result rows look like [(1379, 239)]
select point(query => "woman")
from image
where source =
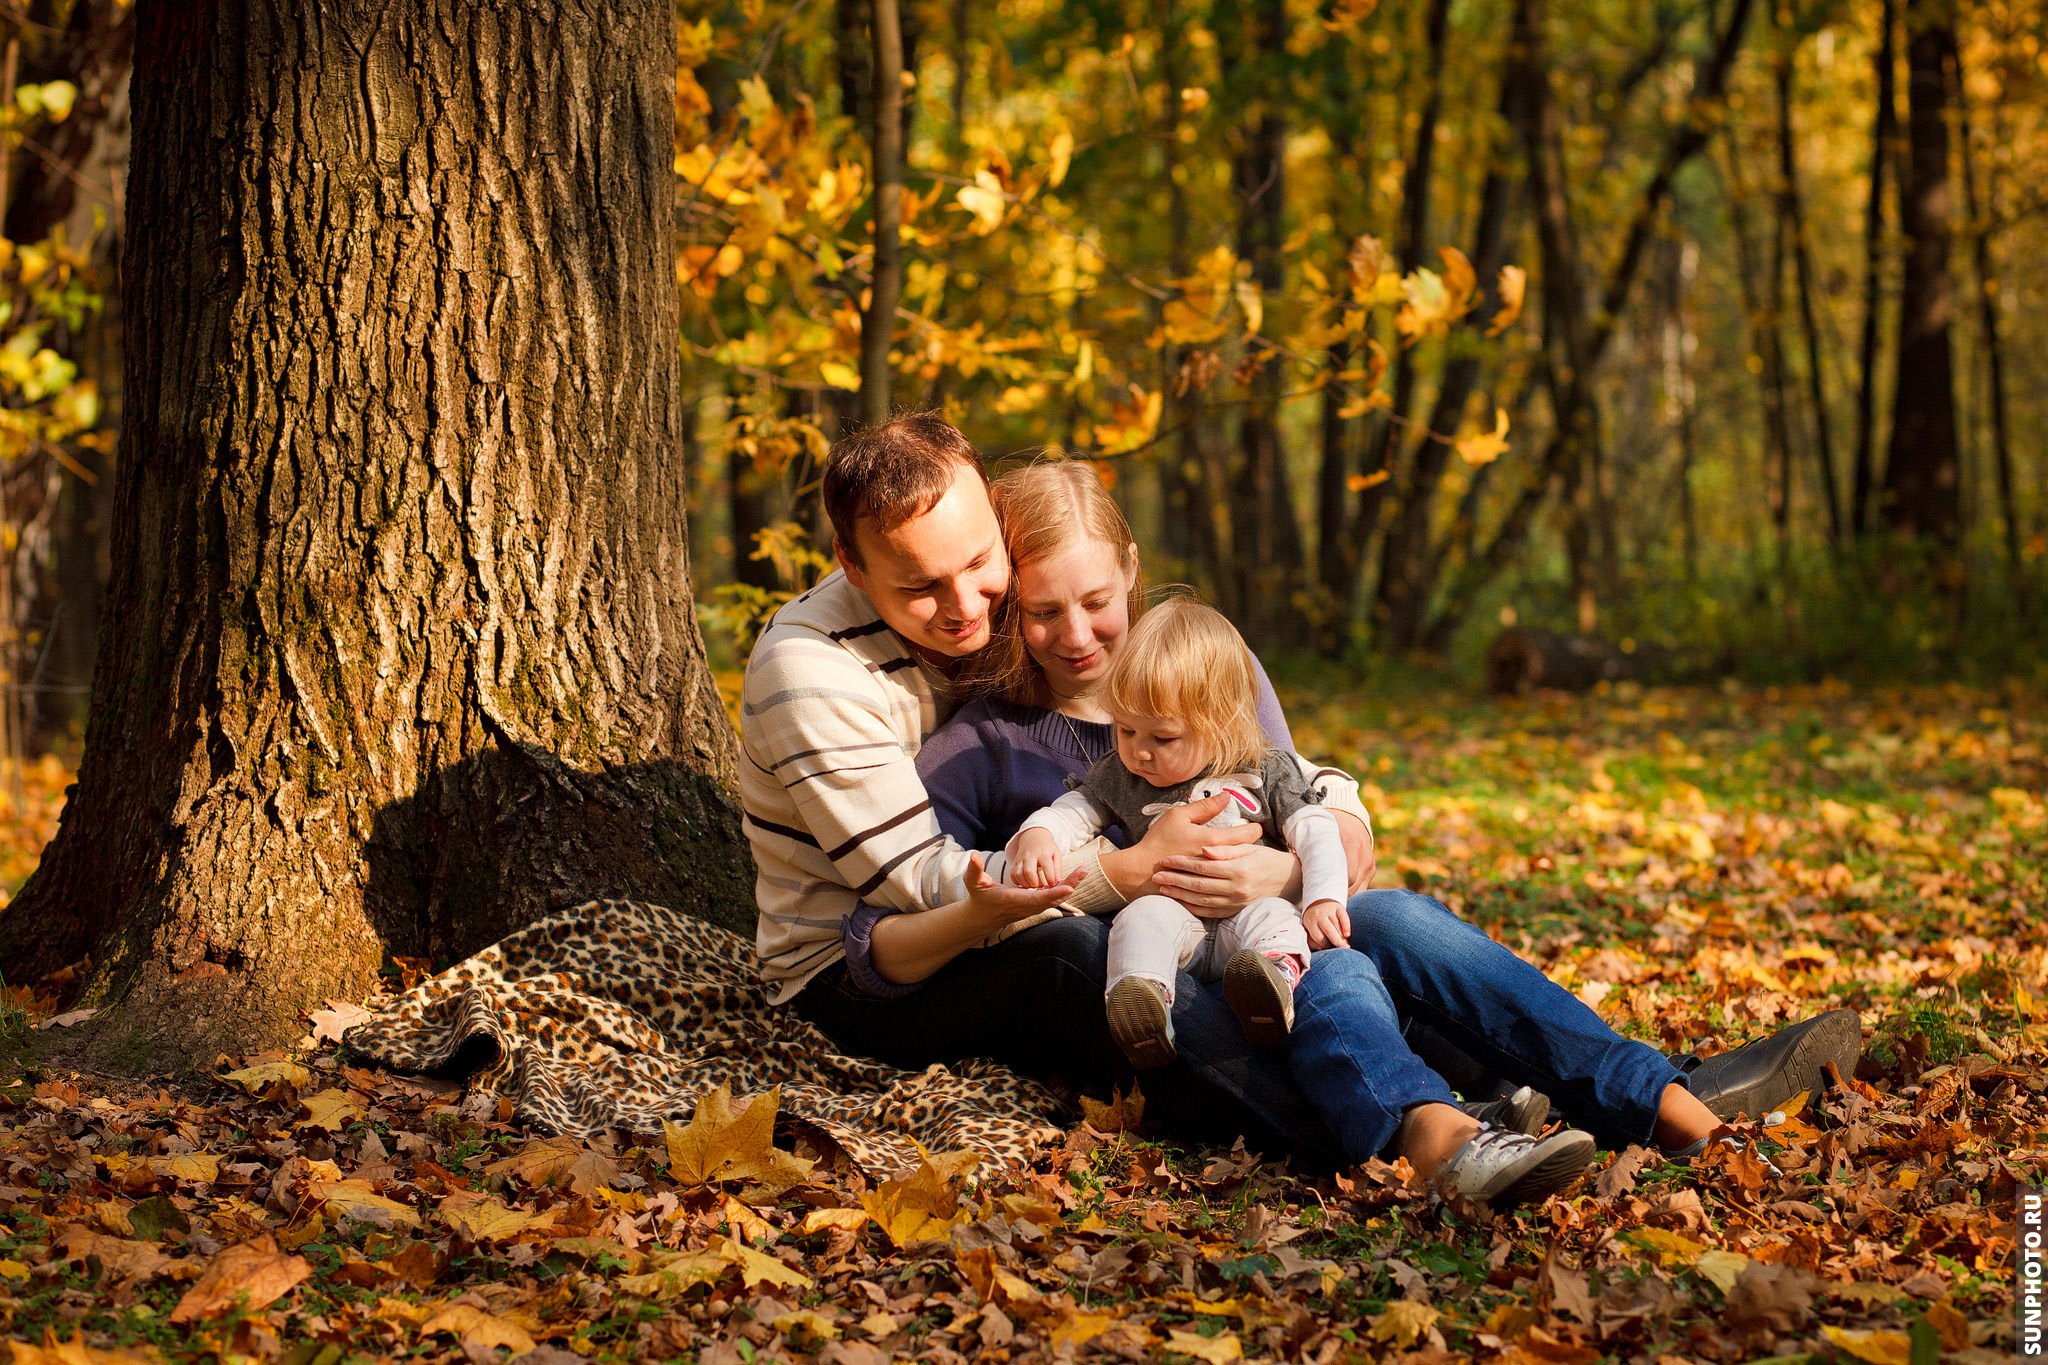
[(1076, 588)]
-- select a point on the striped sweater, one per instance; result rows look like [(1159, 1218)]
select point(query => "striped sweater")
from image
[(833, 712)]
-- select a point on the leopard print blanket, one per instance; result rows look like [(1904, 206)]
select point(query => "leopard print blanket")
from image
[(619, 1015)]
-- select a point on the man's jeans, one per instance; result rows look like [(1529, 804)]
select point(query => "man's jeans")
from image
[(1415, 960), (1035, 1001)]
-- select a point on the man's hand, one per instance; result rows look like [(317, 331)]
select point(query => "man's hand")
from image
[(1360, 857), (1034, 859), (995, 905), (1328, 924)]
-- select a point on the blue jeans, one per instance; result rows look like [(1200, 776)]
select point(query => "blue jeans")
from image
[(1416, 960)]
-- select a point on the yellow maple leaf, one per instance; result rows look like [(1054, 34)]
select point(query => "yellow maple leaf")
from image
[(1877, 1347), (200, 1167), (923, 1206), (1121, 1115), (755, 1267), (839, 375), (821, 1220), (983, 199), (1514, 287), (1670, 1248), (1722, 1268), (472, 1326), (1187, 325), (330, 1109), (1220, 1349), (481, 1219), (561, 1161), (1484, 447), (266, 1078), (721, 1146), (1077, 1329), (1403, 1323), (355, 1199)]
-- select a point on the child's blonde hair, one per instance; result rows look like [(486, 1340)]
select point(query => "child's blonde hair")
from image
[(1186, 662), (1044, 507)]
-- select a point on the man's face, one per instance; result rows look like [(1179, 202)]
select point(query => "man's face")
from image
[(936, 578)]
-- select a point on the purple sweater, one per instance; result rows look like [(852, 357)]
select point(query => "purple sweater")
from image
[(990, 767)]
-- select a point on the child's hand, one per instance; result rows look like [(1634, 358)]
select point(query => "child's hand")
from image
[(1328, 924), (1034, 859)]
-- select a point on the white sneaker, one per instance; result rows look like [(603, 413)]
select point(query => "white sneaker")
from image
[(1499, 1166)]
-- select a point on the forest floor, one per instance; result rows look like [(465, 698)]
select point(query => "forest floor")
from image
[(1703, 865)]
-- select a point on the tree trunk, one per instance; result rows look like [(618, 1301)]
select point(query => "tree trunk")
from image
[(1792, 217), (399, 652), (1884, 134), (878, 323), (1994, 355), (1922, 477)]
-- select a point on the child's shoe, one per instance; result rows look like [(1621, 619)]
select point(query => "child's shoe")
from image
[(1259, 991), (1141, 1021), (1526, 1110)]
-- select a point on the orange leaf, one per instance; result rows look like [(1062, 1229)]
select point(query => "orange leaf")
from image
[(253, 1274)]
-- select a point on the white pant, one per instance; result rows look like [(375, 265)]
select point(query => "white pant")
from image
[(1157, 937)]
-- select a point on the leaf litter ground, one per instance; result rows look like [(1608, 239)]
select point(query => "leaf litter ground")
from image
[(1701, 865)]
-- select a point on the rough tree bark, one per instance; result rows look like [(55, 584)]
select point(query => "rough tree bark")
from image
[(1922, 476), (399, 648), (1884, 133), (878, 322)]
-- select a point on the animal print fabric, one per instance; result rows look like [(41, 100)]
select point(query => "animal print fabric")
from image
[(618, 1015)]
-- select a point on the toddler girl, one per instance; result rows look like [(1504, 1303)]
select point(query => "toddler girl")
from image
[(1182, 694)]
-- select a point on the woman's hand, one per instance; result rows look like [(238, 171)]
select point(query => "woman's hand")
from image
[(1360, 857), (1328, 924), (1225, 878), (1034, 859)]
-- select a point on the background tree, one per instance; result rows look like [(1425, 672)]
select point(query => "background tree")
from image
[(399, 648)]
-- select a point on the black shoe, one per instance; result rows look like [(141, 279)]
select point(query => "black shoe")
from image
[(1761, 1076), (1525, 1111)]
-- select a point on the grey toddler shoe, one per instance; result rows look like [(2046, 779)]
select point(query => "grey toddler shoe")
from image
[(1258, 992), (1500, 1167), (1141, 1021), (1525, 1111)]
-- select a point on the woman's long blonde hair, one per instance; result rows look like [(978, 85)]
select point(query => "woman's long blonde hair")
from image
[(1044, 508), (1186, 662)]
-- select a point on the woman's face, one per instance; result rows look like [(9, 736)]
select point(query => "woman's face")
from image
[(1074, 605)]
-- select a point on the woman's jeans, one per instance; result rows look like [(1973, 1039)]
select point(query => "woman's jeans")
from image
[(1035, 1001)]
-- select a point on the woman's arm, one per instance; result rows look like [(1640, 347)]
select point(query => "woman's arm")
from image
[(904, 949)]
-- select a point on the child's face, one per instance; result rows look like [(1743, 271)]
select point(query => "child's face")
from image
[(1159, 750)]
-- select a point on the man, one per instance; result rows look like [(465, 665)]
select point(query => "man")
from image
[(842, 689)]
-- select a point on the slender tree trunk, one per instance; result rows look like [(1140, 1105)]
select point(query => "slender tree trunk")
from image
[(1409, 561), (1883, 138), (1688, 137), (1766, 321), (1994, 355), (1273, 566), (1792, 213), (878, 322), (400, 652), (1922, 477)]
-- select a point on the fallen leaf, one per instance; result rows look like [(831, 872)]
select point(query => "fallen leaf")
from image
[(558, 1161), (756, 1268), (1402, 1323), (1722, 1268), (1220, 1349), (266, 1079), (472, 1326), (1078, 1329), (923, 1206), (480, 1219), (250, 1275), (1120, 1115), (338, 1018), (330, 1109), (819, 1220), (720, 1145), (1877, 1347), (355, 1199), (75, 1352), (118, 1256)]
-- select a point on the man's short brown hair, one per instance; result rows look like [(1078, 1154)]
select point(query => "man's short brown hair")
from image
[(888, 474)]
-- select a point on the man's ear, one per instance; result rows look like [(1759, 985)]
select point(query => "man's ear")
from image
[(853, 570)]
